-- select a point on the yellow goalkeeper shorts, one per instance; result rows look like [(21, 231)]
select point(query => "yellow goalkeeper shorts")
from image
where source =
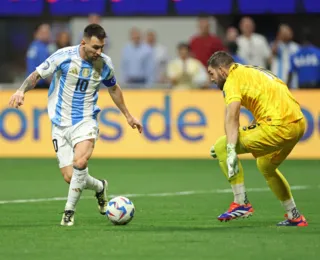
[(262, 139)]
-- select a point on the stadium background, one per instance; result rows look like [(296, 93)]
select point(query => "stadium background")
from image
[(167, 171)]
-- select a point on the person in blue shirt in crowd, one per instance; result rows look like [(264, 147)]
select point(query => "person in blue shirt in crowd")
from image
[(233, 50), (137, 62), (38, 51), (306, 63)]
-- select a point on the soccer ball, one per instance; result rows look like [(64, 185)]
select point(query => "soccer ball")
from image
[(120, 210)]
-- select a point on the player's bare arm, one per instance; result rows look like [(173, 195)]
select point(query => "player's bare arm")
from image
[(30, 82), (232, 132), (232, 122), (117, 97)]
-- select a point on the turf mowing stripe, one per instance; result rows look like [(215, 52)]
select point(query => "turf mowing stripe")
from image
[(166, 194)]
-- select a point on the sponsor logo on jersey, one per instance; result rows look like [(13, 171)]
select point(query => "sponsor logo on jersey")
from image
[(73, 71)]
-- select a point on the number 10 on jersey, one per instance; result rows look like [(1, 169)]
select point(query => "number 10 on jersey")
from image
[(82, 85)]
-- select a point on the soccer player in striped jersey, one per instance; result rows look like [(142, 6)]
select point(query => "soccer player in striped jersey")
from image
[(77, 72)]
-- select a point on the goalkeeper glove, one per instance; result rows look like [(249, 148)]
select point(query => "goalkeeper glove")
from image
[(232, 160)]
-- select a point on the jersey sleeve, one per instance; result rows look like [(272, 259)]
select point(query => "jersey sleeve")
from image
[(51, 64), (231, 91), (110, 79)]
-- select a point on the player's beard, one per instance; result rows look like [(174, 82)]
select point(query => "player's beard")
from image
[(220, 82), (89, 55)]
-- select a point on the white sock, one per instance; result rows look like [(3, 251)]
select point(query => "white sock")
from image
[(291, 209), (239, 192), (77, 184), (93, 184)]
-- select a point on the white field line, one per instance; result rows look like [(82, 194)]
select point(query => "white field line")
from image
[(166, 194)]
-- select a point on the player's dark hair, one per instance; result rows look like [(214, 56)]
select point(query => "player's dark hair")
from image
[(94, 30), (220, 58)]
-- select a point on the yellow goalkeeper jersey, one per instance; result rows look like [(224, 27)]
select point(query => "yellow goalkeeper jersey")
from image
[(266, 96)]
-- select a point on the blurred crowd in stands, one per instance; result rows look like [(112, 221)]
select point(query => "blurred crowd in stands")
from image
[(145, 61)]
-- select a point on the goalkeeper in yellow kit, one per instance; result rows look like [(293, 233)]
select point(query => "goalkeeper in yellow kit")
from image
[(279, 125)]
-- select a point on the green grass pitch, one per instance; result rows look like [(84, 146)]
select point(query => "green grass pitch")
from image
[(176, 226)]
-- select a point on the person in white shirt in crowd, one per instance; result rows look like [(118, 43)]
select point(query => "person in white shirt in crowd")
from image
[(253, 47), (282, 49), (186, 72), (160, 55)]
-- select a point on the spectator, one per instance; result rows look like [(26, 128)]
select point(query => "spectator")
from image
[(306, 63), (282, 49), (186, 72), (38, 51), (137, 62), (253, 47), (160, 56), (231, 34), (205, 44), (232, 46), (94, 18), (233, 50), (63, 40)]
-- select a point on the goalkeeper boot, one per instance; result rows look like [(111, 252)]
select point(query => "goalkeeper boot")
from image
[(296, 222), (102, 198), (67, 218), (236, 211)]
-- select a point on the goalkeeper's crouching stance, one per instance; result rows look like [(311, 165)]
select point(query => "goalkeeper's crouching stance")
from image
[(279, 125)]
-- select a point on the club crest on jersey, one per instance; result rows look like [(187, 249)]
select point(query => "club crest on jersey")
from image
[(85, 72)]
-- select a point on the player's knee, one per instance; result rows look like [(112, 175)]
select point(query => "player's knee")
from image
[(261, 166), (80, 163), (220, 146), (266, 168)]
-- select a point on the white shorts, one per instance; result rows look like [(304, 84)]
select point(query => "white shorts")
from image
[(64, 139)]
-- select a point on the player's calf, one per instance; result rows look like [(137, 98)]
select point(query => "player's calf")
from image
[(67, 173)]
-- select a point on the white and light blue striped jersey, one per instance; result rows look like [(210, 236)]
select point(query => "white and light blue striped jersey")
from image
[(280, 64), (74, 88)]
